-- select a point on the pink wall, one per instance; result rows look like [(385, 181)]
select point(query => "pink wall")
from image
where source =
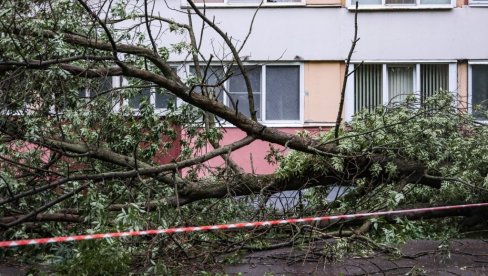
[(255, 151)]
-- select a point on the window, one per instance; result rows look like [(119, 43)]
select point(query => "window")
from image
[(237, 96), (398, 4), (400, 82), (159, 98), (380, 84), (433, 78), (368, 87), (99, 87), (478, 90), (276, 91), (214, 79), (282, 93)]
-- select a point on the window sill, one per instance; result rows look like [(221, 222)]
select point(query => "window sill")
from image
[(402, 7), (161, 112), (273, 125)]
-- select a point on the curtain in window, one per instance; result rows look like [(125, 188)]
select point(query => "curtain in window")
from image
[(433, 78), (282, 92), (400, 82), (368, 87)]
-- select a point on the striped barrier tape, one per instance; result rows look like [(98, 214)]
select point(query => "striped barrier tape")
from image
[(256, 224)]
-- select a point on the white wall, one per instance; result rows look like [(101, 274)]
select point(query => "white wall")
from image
[(326, 33)]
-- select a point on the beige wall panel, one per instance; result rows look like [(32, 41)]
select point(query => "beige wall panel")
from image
[(325, 2), (322, 91), (462, 71)]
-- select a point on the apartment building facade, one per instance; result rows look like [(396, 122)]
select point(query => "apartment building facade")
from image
[(297, 49)]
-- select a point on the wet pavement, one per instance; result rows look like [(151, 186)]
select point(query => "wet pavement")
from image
[(461, 257)]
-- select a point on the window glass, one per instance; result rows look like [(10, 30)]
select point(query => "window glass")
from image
[(237, 83), (97, 87), (103, 87), (400, 82), (479, 99), (163, 99), (433, 78), (135, 102), (282, 90), (282, 93), (368, 87), (240, 99), (238, 90), (213, 79)]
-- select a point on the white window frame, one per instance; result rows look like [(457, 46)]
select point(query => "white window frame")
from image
[(349, 96), (152, 99), (478, 3), (272, 123), (116, 83), (351, 5), (470, 85), (184, 4)]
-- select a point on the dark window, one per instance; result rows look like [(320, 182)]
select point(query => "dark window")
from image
[(479, 90)]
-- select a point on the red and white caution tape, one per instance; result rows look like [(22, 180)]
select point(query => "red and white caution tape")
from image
[(231, 226)]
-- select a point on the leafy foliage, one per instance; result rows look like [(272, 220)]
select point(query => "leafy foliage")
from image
[(49, 134)]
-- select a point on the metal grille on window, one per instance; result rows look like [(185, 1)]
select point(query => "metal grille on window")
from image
[(433, 78), (368, 86)]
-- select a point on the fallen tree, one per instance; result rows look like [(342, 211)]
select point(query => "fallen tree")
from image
[(91, 162)]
